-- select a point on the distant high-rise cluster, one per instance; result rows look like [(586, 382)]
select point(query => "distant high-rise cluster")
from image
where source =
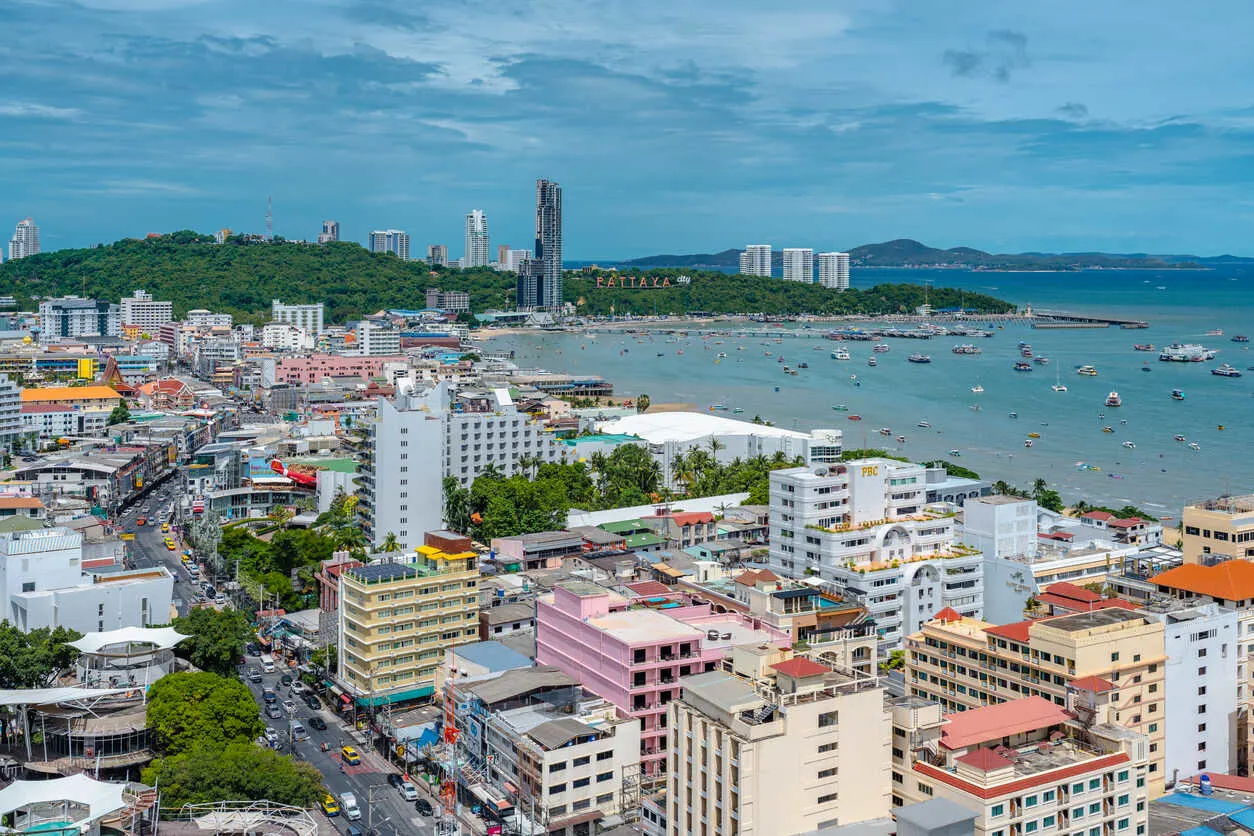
[(756, 260), (834, 270), (330, 232), (25, 240), (798, 265), (540, 277), (437, 255), (477, 242), (390, 241)]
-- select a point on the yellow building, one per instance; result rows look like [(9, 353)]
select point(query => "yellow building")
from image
[(86, 397), (965, 663), (396, 619), (1223, 526)]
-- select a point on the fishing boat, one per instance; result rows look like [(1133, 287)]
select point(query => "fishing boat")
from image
[(880, 348), (1023, 367), (1143, 347), (840, 354), (1178, 437), (977, 389), (919, 358), (1108, 429), (1113, 399), (1129, 445), (1194, 446), (1177, 394), (840, 407), (872, 362), (1225, 371), (926, 425), (1240, 338), (1087, 371)]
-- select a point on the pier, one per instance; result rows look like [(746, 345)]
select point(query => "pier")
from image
[(1062, 319)]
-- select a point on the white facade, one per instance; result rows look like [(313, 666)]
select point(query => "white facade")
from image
[(42, 580), (799, 264), (1000, 526), (834, 270), (862, 528), (514, 259), (756, 260), (74, 317), (25, 240), (437, 254), (330, 232), (394, 241), (374, 339), (477, 241), (305, 317), (280, 336), (140, 309), (202, 318), (11, 424)]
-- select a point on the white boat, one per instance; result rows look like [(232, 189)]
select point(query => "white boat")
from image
[(1194, 446), (1058, 387), (1087, 371), (880, 348), (722, 355), (1113, 399), (840, 354), (924, 425), (1129, 445), (1186, 353), (977, 389), (1226, 371)]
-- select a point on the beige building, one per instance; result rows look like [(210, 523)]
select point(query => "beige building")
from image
[(965, 663), (396, 619), (1023, 767), (776, 745), (1223, 526)]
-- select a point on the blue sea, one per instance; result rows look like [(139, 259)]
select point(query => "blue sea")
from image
[(1160, 474)]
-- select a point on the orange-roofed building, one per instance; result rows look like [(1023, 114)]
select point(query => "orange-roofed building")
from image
[(1023, 767), (683, 528), (167, 394), (84, 397), (968, 664)]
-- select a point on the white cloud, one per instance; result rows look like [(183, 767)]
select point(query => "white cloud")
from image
[(32, 110)]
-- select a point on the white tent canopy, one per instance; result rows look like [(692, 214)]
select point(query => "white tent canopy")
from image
[(101, 798), (160, 638), (51, 696)]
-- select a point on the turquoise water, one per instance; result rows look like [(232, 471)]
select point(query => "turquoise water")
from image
[(1160, 474)]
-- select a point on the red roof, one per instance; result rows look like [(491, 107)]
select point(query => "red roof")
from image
[(753, 577), (1064, 536), (1127, 522), (1014, 787), (1116, 604), (650, 588), (799, 667), (984, 759), (692, 517), (1092, 683), (1098, 515), (41, 408), (1225, 782), (993, 722), (947, 615), (15, 502), (1070, 590), (1015, 632)]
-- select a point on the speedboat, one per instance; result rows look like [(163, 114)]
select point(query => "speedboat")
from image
[(919, 358), (803, 365), (1027, 442), (901, 439), (1023, 367), (1087, 371), (880, 348), (840, 354), (840, 407), (1108, 429), (1012, 414), (977, 389), (1178, 437), (1194, 446), (1113, 399), (1058, 387), (1215, 332), (1034, 435), (872, 362), (1129, 445), (885, 431), (855, 417), (1177, 395), (1041, 361), (1225, 371), (738, 410), (722, 355), (924, 425), (955, 453), (1240, 338)]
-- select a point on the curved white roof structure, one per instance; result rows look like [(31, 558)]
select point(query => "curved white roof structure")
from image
[(58, 696), (100, 798), (161, 638), (661, 427)]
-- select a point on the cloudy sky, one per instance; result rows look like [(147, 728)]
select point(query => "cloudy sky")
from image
[(673, 126)]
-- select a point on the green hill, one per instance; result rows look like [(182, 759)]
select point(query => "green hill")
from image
[(242, 277)]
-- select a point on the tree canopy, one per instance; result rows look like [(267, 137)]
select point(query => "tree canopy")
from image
[(191, 710), (35, 659), (216, 640), (240, 770)]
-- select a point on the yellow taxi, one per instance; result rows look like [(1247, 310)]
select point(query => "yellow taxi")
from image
[(350, 756), (165, 527), (330, 806), (169, 544)]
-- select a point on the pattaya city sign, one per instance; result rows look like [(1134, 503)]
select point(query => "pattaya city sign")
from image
[(633, 282)]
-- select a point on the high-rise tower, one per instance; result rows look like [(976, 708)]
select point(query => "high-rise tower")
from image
[(25, 240), (477, 242), (540, 278)]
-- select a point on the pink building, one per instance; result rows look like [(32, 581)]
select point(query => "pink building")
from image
[(634, 656), (313, 368)]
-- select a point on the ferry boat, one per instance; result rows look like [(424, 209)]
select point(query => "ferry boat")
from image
[(965, 348), (977, 389), (1226, 371), (1186, 353), (840, 354), (1087, 371), (872, 362), (1113, 399), (1240, 338), (1143, 347), (1177, 394), (1023, 367), (1129, 445), (880, 348), (919, 358)]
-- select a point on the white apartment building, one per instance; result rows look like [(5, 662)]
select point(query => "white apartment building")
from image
[(798, 264), (863, 528), (756, 260), (477, 240), (201, 318), (776, 745), (44, 584), (11, 422), (376, 339), (834, 270), (395, 241), (330, 232), (437, 255), (139, 309), (401, 492), (282, 336), (1000, 526), (514, 259), (306, 317), (25, 240), (74, 317), (52, 421)]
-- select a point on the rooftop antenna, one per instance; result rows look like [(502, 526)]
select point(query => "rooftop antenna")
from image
[(269, 219)]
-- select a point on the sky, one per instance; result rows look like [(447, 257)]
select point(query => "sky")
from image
[(673, 127)]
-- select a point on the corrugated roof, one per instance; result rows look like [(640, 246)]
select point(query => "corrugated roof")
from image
[(492, 655), (1092, 683), (557, 733), (518, 682), (1018, 631), (993, 722), (68, 393), (1232, 580), (1070, 590)]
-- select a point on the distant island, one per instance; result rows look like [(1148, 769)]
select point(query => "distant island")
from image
[(904, 252)]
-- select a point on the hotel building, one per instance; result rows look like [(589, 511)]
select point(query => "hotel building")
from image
[(1221, 527)]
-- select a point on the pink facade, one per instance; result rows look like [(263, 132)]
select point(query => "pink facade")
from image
[(635, 657), (314, 367)]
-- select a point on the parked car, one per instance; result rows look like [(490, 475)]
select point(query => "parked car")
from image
[(423, 806), (312, 702), (272, 736), (273, 712), (409, 791), (318, 723), (284, 680), (394, 779)]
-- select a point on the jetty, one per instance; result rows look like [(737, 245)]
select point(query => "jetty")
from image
[(1063, 319)]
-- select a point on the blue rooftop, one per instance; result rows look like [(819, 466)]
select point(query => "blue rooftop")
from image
[(494, 656), (1203, 802)]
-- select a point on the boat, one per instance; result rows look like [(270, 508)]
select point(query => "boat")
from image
[(660, 354), (1087, 371), (803, 365), (1225, 371), (738, 410), (975, 407), (722, 355), (880, 348), (718, 407), (924, 425), (1215, 332), (919, 358), (1034, 435), (1012, 415), (840, 354), (1179, 437), (1113, 399), (1023, 367), (840, 407), (1186, 353), (965, 348), (1220, 428), (1041, 361), (955, 453), (872, 362), (1026, 352), (901, 439), (1146, 369), (855, 417), (1177, 395), (1027, 442), (1108, 429), (885, 431), (1240, 338), (977, 389), (1129, 445), (1143, 347), (1194, 446), (1058, 387)]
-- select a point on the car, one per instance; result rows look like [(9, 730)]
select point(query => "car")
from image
[(350, 755), (269, 696), (272, 736), (284, 680), (299, 687), (312, 702), (169, 544), (289, 706), (330, 807), (349, 802), (423, 806), (318, 723), (254, 675), (267, 665), (395, 780), (299, 732), (354, 830), (273, 712), (141, 521), (409, 791), (165, 527)]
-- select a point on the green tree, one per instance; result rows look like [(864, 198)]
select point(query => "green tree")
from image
[(642, 403), (325, 657), (35, 659), (240, 770), (955, 470), (216, 638), (190, 710), (390, 543), (119, 415)]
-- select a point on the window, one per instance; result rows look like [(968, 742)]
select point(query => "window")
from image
[(1077, 788), (827, 773), (1123, 824), (1029, 801), (1123, 801), (828, 718), (1201, 764), (604, 756), (557, 767), (1095, 783), (29, 586), (1114, 657), (580, 783), (924, 788), (605, 776), (1095, 808), (1123, 775), (1048, 821), (556, 788), (584, 761), (1030, 827), (827, 799), (1047, 796), (1201, 690), (1201, 671), (1077, 813), (997, 810)]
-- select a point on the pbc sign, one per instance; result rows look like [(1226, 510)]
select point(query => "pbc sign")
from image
[(634, 282)]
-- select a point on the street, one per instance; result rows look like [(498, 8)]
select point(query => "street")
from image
[(148, 547)]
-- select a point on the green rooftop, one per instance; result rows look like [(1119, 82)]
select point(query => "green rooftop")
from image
[(643, 541), (623, 526), (337, 465)]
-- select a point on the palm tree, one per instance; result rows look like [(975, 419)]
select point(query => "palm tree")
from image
[(390, 543), (1001, 486), (1038, 488)]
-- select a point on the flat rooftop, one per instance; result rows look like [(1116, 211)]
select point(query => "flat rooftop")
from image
[(1088, 620), (645, 626)]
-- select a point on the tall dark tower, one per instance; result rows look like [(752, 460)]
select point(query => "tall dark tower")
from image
[(548, 250)]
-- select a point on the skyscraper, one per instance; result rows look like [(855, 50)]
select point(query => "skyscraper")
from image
[(390, 241), (799, 264), (502, 252), (756, 260), (477, 247), (834, 270), (25, 240), (330, 232), (437, 255), (540, 276)]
